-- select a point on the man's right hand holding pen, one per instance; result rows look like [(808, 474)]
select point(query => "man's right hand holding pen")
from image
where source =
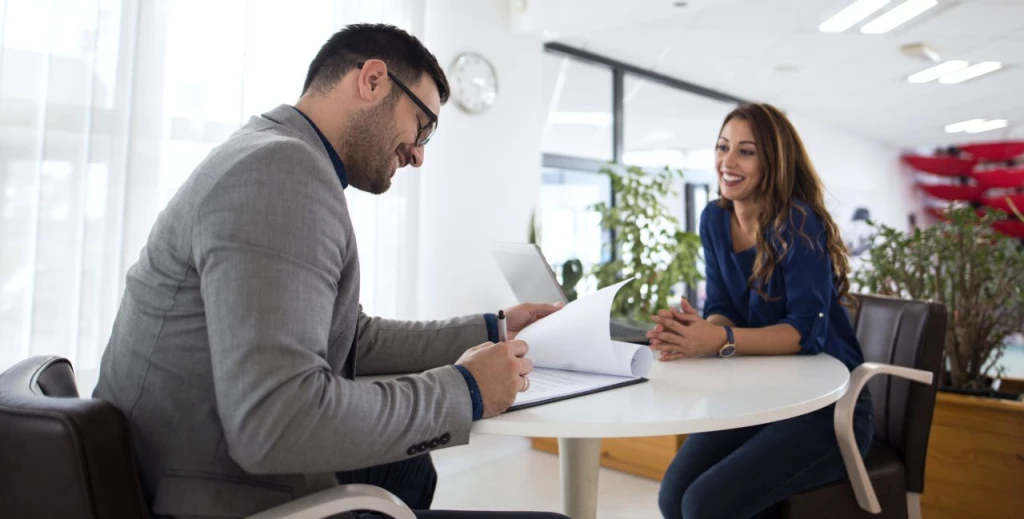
[(501, 369)]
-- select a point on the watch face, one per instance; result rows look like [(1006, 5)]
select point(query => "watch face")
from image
[(474, 82), (727, 351)]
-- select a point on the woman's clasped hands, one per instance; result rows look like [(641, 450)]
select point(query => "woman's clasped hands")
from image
[(684, 333)]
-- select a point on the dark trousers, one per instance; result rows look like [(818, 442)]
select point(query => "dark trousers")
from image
[(742, 473), (413, 481)]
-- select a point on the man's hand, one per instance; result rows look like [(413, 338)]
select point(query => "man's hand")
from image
[(498, 370), (521, 316)]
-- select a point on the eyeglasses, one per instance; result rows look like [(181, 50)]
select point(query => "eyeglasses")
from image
[(423, 133)]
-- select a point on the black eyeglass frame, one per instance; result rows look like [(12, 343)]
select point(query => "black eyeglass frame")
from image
[(431, 126)]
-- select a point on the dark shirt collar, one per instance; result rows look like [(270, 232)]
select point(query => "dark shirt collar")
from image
[(339, 168)]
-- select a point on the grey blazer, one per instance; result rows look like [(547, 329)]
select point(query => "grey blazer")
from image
[(240, 331)]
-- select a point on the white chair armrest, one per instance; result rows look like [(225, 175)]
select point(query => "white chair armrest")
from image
[(855, 469), (335, 500)]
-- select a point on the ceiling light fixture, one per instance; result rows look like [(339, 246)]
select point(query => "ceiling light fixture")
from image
[(976, 126), (988, 126), (852, 14), (897, 16), (940, 70), (971, 72), (962, 126)]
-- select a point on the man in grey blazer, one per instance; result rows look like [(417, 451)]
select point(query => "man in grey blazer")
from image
[(239, 336)]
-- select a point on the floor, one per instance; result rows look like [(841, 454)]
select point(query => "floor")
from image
[(504, 473)]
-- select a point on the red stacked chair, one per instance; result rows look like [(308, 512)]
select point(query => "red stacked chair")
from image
[(984, 174)]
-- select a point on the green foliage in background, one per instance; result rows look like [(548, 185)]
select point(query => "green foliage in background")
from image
[(572, 270), (977, 273), (650, 247), (572, 273)]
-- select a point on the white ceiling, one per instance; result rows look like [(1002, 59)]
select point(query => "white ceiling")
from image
[(850, 80)]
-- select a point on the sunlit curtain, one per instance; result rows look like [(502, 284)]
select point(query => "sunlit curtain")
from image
[(106, 106)]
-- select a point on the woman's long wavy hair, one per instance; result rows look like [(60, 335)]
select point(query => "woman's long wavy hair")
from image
[(786, 174)]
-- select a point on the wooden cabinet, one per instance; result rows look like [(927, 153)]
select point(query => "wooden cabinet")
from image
[(975, 465), (645, 457)]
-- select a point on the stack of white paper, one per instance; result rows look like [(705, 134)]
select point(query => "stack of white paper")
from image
[(572, 351)]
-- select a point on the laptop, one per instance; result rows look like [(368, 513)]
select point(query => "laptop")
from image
[(530, 276)]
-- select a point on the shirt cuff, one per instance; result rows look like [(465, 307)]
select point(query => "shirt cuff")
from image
[(474, 392), (492, 327)]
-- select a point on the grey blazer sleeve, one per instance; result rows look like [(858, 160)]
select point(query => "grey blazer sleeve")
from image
[(268, 251), (387, 346)]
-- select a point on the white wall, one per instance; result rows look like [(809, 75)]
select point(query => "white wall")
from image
[(481, 178), (859, 172)]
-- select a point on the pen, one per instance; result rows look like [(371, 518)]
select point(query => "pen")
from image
[(502, 331)]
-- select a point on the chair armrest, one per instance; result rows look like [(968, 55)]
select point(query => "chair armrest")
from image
[(335, 500), (855, 469)]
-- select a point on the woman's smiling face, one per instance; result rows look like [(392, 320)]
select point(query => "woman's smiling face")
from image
[(736, 161)]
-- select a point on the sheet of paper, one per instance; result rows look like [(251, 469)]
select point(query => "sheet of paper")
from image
[(577, 338), (547, 384)]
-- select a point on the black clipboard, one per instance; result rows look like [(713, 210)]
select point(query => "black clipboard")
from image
[(617, 385)]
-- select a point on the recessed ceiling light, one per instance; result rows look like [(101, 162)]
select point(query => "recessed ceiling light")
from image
[(852, 14), (976, 126), (962, 126), (988, 126), (970, 72), (897, 16), (933, 73)]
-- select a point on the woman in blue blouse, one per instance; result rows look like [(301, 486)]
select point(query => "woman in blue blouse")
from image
[(776, 283)]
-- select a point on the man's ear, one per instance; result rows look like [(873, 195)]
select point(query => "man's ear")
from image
[(372, 80)]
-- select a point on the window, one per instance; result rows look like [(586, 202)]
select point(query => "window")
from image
[(569, 228), (579, 101), (698, 196), (666, 126), (602, 110), (106, 107)]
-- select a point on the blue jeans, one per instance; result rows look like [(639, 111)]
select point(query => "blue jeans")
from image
[(742, 472)]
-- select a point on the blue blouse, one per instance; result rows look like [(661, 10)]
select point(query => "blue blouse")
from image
[(801, 291)]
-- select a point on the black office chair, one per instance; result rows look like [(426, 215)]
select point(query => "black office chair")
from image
[(68, 457), (903, 339)]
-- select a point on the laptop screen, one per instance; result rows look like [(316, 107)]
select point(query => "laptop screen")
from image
[(527, 273)]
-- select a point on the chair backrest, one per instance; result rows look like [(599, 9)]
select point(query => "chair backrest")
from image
[(60, 455), (906, 333)]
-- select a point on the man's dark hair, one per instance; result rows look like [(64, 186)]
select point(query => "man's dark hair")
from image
[(404, 55)]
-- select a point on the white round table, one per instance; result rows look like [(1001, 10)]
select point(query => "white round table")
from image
[(681, 397)]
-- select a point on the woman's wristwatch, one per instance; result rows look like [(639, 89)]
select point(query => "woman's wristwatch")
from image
[(729, 349)]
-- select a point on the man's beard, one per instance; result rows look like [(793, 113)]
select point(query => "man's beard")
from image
[(368, 163)]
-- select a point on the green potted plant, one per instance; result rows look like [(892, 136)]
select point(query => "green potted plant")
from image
[(977, 273), (649, 246), (976, 443)]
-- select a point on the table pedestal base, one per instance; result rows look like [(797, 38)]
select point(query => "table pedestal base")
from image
[(579, 460)]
